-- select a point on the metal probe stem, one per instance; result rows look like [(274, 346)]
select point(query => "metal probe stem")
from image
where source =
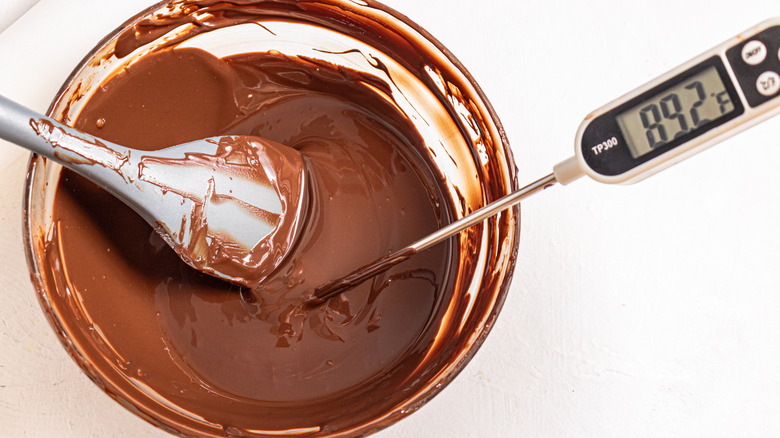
[(483, 213), (333, 288)]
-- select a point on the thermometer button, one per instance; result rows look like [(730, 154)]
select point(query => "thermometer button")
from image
[(758, 82), (768, 84), (754, 52)]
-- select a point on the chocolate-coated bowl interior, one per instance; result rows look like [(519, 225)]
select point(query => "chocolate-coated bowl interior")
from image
[(458, 139)]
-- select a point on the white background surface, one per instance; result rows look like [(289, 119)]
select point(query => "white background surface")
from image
[(646, 311)]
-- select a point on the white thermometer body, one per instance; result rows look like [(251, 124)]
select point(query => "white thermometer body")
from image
[(718, 94)]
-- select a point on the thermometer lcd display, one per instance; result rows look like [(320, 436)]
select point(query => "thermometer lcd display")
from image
[(675, 112)]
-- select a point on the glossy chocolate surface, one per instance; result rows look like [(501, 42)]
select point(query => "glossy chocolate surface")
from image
[(215, 358)]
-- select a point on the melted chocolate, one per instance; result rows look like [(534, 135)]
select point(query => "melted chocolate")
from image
[(205, 357), (329, 290), (259, 359)]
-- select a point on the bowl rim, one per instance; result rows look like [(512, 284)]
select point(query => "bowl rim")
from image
[(435, 385)]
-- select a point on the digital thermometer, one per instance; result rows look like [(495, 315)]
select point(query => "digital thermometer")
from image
[(718, 94)]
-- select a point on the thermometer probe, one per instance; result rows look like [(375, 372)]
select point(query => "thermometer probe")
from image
[(710, 98)]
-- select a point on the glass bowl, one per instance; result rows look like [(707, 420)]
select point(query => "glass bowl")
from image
[(463, 139)]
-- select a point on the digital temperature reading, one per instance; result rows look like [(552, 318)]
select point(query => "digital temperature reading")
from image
[(675, 112), (688, 109)]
